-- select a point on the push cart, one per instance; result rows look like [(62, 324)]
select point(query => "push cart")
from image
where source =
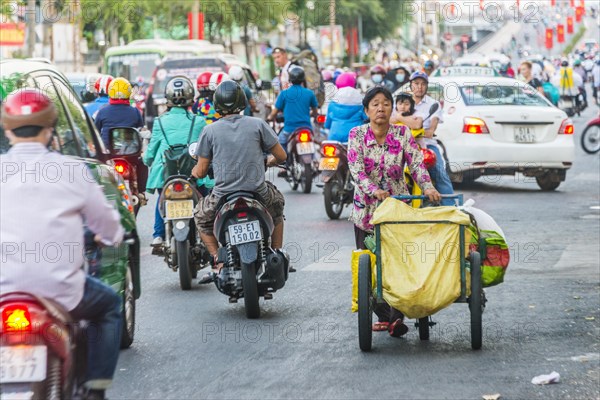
[(471, 290)]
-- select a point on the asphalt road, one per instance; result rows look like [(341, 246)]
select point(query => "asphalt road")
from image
[(545, 317)]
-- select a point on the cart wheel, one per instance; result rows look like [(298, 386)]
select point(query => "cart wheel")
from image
[(475, 301), (424, 328), (365, 312)]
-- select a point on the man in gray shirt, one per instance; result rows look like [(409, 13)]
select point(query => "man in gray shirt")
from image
[(236, 145)]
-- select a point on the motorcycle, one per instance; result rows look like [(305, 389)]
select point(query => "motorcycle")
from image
[(182, 248), (301, 157), (338, 188), (572, 104), (251, 269), (590, 138)]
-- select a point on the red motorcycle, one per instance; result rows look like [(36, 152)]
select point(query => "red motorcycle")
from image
[(590, 138)]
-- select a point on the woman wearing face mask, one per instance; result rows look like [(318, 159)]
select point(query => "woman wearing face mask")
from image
[(398, 75), (378, 73)]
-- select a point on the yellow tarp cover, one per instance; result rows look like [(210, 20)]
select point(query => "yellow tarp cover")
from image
[(420, 261)]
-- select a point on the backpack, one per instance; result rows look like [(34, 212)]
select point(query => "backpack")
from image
[(177, 159), (314, 81)]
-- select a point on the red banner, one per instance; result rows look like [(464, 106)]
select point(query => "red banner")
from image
[(572, 3), (569, 24), (12, 34), (200, 26), (549, 38), (579, 14), (560, 33), (582, 3), (553, 3)]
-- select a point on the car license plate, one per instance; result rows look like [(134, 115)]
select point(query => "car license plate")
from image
[(244, 233), (22, 363), (524, 134), (305, 148), (329, 164), (179, 209)]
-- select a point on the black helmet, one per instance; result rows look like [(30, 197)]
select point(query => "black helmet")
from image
[(229, 98), (179, 92), (296, 74)]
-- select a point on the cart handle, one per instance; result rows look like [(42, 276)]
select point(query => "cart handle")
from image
[(459, 197)]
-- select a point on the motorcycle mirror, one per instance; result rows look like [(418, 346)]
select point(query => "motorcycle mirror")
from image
[(124, 141), (192, 150), (434, 108)]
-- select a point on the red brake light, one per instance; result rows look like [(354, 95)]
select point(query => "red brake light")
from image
[(304, 136), (429, 158), (16, 319), (567, 127), (122, 167), (178, 187), (320, 119), (329, 150), (242, 215), (474, 125)]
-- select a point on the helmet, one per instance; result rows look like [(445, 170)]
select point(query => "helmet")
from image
[(326, 75), (419, 75), (564, 62), (102, 83), (577, 63), (236, 73), (203, 80), (337, 73), (119, 89), (229, 98), (347, 79), (296, 74), (378, 69), (28, 107), (428, 64), (216, 79), (179, 92)]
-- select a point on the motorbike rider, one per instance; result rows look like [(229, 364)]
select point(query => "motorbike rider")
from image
[(237, 74), (118, 112), (398, 75), (280, 57), (171, 128), (297, 104), (101, 89), (567, 81), (29, 118), (419, 83), (596, 81), (235, 146), (345, 110), (378, 73), (428, 67), (206, 83)]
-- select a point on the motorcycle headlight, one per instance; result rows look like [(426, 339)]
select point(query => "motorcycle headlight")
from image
[(178, 190)]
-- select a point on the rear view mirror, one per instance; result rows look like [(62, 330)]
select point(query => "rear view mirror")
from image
[(124, 141), (263, 85), (433, 109)]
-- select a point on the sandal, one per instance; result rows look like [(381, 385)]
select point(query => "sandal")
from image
[(397, 328), (380, 326)]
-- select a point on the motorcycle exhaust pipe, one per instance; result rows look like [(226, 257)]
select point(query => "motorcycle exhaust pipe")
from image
[(135, 200), (276, 270)]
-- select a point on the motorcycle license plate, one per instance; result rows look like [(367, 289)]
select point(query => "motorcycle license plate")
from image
[(179, 209), (524, 134), (329, 164), (305, 148), (22, 363), (244, 233), (566, 104)]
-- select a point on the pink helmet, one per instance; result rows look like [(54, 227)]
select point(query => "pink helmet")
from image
[(327, 75), (347, 79)]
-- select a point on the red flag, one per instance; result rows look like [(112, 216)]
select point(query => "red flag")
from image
[(548, 38), (560, 33), (452, 9), (481, 4), (200, 26), (553, 3), (582, 3), (578, 14), (569, 24), (572, 3)]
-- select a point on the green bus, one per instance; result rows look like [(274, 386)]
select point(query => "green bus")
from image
[(140, 57)]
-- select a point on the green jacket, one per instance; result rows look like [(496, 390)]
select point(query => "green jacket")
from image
[(176, 123)]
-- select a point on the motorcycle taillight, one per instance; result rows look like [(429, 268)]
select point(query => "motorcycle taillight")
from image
[(16, 318), (428, 158)]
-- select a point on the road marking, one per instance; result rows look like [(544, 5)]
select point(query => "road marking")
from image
[(590, 216), (595, 208), (578, 255), (338, 262)]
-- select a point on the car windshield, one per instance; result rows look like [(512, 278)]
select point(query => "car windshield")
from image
[(497, 95)]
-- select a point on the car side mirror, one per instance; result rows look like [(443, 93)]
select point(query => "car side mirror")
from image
[(263, 85), (87, 97), (124, 142)]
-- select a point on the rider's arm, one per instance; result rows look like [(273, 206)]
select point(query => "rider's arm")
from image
[(201, 168), (154, 144), (205, 155), (434, 123), (279, 155)]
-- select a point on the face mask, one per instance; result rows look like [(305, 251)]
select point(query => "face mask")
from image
[(377, 78), (400, 77)]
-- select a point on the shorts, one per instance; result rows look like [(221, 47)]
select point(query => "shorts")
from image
[(206, 210)]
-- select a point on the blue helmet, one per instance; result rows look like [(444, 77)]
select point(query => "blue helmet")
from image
[(419, 74)]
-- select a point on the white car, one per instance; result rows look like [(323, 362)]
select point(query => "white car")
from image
[(500, 126)]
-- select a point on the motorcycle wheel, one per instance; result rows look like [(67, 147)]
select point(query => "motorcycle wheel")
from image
[(183, 264), (128, 312), (250, 287), (293, 178), (334, 204), (590, 139), (306, 177)]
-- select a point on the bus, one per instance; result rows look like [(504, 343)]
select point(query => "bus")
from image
[(140, 57)]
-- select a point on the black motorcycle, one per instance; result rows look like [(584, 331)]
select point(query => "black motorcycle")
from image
[(251, 269), (338, 187), (301, 159)]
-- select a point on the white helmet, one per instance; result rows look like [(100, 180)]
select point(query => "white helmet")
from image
[(216, 79), (236, 73)]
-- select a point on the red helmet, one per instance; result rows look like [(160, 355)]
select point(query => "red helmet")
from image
[(102, 84), (28, 107), (203, 80), (378, 69)]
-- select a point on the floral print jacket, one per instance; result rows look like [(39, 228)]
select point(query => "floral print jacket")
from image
[(381, 166)]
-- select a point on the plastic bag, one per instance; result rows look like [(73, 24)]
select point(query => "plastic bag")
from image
[(355, 257)]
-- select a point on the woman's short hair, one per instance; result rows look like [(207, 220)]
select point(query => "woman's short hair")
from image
[(371, 93)]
